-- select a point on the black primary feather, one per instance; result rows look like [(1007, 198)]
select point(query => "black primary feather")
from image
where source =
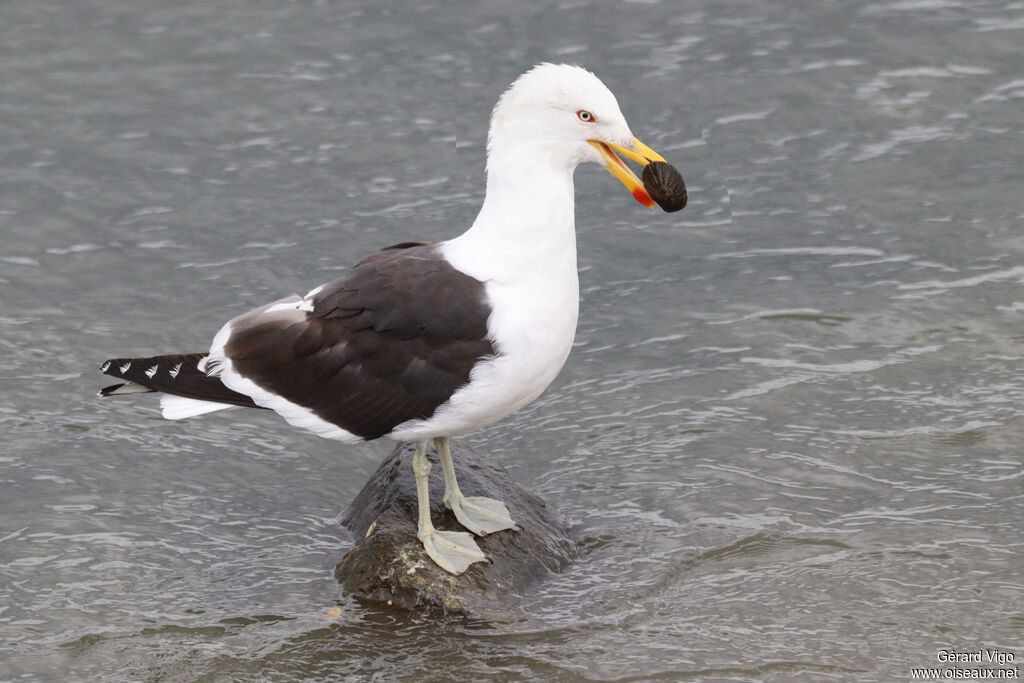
[(176, 374)]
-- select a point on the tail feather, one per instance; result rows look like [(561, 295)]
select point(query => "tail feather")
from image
[(175, 374), (178, 407)]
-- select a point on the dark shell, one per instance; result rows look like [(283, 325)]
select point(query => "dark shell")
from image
[(665, 185)]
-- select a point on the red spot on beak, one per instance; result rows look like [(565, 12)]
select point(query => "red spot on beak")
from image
[(640, 194)]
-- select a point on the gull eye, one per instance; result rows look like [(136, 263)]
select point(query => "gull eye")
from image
[(585, 116)]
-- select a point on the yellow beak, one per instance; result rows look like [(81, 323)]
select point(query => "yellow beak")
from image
[(641, 153)]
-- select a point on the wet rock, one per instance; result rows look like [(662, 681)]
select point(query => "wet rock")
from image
[(388, 563)]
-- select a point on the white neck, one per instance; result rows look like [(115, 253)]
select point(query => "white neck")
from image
[(526, 226)]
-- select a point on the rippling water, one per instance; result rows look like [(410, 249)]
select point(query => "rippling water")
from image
[(791, 426)]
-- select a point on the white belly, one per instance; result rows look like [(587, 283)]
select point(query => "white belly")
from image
[(532, 326)]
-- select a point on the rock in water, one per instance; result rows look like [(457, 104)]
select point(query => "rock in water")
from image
[(388, 563)]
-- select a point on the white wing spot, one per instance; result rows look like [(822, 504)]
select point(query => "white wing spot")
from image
[(151, 372), (286, 306), (175, 370), (105, 366), (125, 366), (307, 301)]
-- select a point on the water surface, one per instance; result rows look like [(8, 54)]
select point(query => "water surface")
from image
[(791, 426)]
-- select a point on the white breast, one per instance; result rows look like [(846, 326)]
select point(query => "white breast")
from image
[(522, 246)]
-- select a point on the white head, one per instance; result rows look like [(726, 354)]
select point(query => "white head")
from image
[(566, 116)]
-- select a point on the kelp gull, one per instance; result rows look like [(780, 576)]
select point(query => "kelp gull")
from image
[(424, 340)]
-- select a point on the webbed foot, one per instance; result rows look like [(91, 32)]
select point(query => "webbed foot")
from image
[(481, 515), (453, 551)]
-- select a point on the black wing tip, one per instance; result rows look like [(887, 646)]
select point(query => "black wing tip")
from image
[(117, 367), (125, 388), (111, 390)]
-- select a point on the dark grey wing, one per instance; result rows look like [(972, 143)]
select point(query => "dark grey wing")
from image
[(389, 342)]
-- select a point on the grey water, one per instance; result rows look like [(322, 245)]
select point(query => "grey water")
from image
[(791, 427)]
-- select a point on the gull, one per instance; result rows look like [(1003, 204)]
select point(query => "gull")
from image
[(424, 341)]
